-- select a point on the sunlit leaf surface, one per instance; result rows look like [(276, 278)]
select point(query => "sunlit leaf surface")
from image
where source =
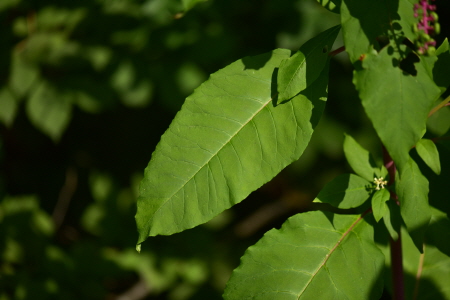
[(228, 139)]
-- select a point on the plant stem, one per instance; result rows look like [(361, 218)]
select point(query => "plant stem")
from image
[(439, 106), (337, 51), (398, 285)]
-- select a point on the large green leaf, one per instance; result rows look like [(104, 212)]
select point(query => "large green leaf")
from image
[(412, 190), (396, 102), (314, 255), (429, 272), (228, 139), (363, 21), (299, 71), (345, 191)]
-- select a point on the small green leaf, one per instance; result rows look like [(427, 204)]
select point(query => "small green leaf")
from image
[(412, 190), (360, 159), (428, 151), (300, 70), (49, 110), (345, 191), (228, 139), (314, 255), (23, 75), (379, 206)]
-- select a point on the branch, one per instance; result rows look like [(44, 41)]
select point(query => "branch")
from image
[(337, 51), (398, 285), (440, 105)]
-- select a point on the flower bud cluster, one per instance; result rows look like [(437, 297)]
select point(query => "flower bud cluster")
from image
[(426, 27)]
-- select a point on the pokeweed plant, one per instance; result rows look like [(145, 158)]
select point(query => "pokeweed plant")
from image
[(254, 117)]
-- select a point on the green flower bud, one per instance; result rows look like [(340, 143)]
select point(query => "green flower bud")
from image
[(437, 28)]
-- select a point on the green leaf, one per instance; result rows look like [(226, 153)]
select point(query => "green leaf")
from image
[(379, 206), (227, 140), (188, 4), (304, 67), (441, 69), (49, 110), (360, 159), (345, 191), (311, 257), (392, 219), (363, 21), (23, 75), (8, 106), (428, 272), (396, 102), (428, 151), (331, 5), (412, 191)]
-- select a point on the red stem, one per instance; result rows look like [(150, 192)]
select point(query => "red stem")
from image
[(398, 285), (337, 51)]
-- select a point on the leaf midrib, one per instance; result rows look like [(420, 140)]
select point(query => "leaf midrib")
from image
[(218, 150), (331, 252)]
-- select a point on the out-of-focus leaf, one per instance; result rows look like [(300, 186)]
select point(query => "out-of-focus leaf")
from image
[(49, 110), (428, 152), (412, 190), (22, 76), (379, 206), (299, 71), (331, 5), (345, 191), (228, 139), (314, 255), (188, 4), (8, 106)]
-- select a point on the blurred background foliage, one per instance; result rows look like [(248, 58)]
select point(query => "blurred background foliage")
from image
[(87, 88)]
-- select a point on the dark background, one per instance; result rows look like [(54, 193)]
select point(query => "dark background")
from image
[(86, 90)]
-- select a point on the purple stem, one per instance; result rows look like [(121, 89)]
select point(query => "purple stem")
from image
[(398, 285)]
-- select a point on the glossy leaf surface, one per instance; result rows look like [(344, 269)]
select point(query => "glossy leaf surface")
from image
[(314, 255), (345, 191), (228, 139), (302, 69)]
